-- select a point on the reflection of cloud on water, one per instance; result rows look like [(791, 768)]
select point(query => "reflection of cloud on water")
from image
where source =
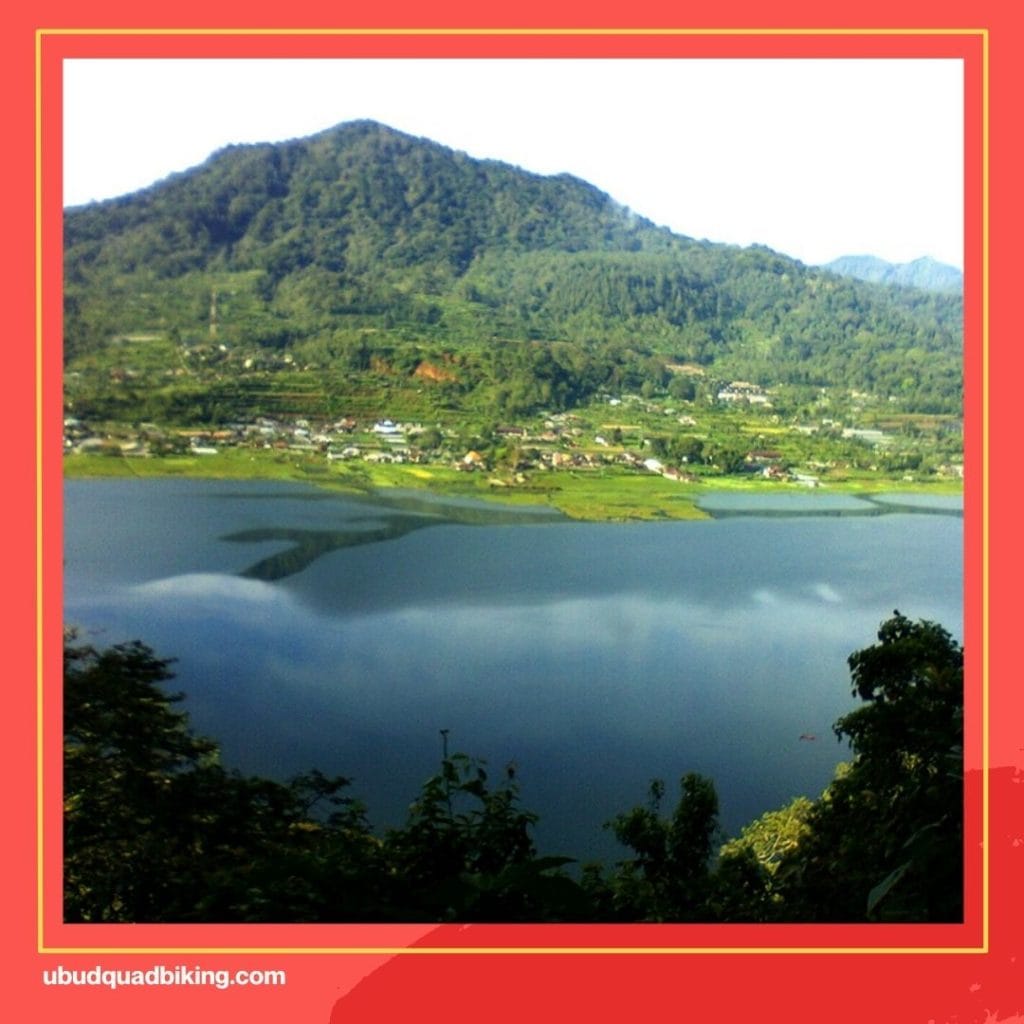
[(202, 588), (569, 666), (774, 598), (554, 668), (675, 666), (189, 599)]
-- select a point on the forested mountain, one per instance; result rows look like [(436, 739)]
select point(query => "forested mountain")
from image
[(923, 273), (362, 244)]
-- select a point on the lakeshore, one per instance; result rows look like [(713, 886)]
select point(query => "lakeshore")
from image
[(594, 494)]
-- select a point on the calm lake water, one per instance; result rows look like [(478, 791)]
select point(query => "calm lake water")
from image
[(312, 630)]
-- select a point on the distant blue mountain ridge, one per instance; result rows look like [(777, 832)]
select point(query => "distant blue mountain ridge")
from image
[(923, 273)]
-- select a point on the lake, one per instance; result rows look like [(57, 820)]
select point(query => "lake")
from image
[(317, 630)]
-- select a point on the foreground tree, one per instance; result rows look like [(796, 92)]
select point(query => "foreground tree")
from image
[(155, 829), (466, 854), (746, 888), (885, 841), (882, 843), (668, 877)]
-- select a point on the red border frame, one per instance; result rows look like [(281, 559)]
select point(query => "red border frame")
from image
[(608, 984)]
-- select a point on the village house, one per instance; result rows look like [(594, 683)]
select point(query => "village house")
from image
[(348, 452), (872, 437), (94, 445), (761, 459), (807, 481), (673, 473), (743, 391)]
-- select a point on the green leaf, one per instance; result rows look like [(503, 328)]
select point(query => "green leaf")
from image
[(884, 887)]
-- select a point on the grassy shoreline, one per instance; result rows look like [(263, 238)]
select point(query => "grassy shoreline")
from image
[(593, 495)]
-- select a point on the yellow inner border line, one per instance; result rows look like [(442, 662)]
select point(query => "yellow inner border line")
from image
[(630, 32), (985, 469), (597, 950), (39, 481), (522, 950)]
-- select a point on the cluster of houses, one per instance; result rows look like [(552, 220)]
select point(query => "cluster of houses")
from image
[(562, 441), (558, 446), (299, 435)]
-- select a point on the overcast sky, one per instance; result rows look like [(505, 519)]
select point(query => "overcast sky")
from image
[(814, 158)]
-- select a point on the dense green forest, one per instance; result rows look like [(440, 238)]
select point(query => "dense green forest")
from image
[(361, 249), (157, 829)]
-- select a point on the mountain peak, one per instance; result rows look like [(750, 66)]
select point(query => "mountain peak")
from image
[(924, 272)]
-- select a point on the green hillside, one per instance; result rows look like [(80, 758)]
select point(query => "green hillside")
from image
[(362, 251)]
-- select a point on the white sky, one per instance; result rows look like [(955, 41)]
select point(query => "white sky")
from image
[(814, 158)]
